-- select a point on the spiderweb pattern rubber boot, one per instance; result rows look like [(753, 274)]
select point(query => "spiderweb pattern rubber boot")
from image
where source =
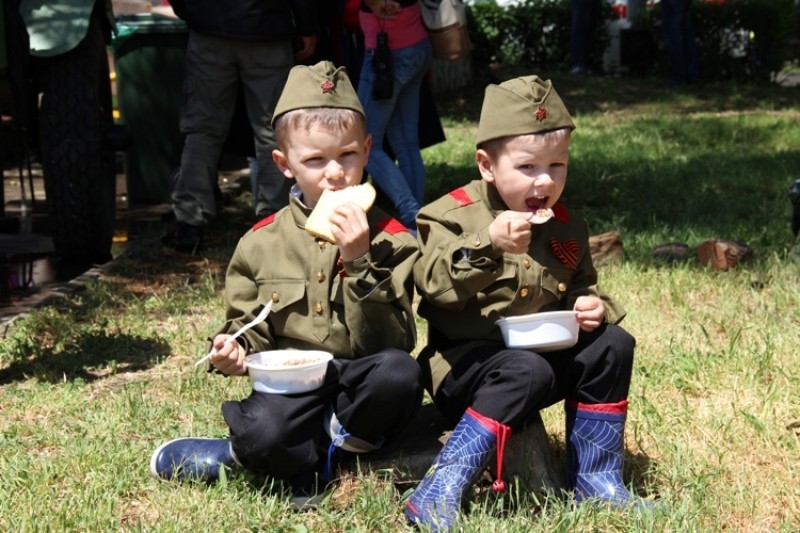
[(436, 502), (193, 459), (595, 441)]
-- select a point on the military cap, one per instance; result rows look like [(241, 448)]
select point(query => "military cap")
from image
[(521, 106), (321, 85)]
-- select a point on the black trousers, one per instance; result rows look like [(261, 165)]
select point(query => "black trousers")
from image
[(510, 385), (282, 435)]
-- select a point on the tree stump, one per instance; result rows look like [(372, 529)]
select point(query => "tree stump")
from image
[(606, 247), (529, 458)]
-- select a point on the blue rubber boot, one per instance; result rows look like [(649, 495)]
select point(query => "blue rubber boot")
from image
[(192, 459), (436, 502), (595, 443)]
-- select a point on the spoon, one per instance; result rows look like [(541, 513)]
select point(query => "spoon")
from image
[(258, 319)]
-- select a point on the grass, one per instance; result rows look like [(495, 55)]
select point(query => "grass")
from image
[(91, 385)]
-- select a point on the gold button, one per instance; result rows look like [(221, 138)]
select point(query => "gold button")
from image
[(321, 276), (275, 297), (526, 263), (318, 309), (477, 241), (562, 287), (523, 292), (322, 244)]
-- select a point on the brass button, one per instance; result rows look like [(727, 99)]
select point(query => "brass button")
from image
[(526, 263), (322, 244), (318, 309), (562, 287), (275, 297), (523, 292), (321, 276), (477, 241)]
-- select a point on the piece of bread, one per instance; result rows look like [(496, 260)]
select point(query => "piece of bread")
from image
[(318, 221)]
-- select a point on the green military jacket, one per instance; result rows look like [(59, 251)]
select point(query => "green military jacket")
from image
[(467, 283), (351, 309)]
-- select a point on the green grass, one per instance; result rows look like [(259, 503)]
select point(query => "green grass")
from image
[(91, 385)]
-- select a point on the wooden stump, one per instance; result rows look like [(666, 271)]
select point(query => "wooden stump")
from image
[(529, 458), (606, 247)]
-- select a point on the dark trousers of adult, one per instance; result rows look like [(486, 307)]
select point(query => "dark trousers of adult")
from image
[(679, 37), (510, 385), (215, 68), (583, 18), (283, 435)]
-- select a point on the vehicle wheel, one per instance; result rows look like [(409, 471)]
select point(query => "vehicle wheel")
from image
[(78, 165)]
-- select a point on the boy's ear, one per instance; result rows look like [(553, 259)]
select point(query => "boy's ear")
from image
[(280, 160), (485, 165), (367, 145)]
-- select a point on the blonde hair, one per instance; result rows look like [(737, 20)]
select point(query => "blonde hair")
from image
[(332, 119), (494, 146)]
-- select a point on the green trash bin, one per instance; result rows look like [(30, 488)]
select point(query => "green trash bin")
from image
[(150, 57)]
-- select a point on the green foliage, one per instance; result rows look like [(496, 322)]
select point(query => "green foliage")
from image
[(737, 39), (531, 32)]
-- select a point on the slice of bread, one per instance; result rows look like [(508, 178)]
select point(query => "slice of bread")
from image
[(318, 221)]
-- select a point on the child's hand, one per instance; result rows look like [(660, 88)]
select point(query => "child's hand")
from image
[(229, 358), (350, 227), (591, 311), (511, 231)]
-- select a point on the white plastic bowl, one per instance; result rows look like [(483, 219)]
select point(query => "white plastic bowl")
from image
[(287, 371), (545, 332)]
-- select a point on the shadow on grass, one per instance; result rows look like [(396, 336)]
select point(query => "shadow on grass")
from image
[(88, 358)]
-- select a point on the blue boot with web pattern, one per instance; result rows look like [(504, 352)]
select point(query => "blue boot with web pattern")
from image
[(595, 445), (436, 502)]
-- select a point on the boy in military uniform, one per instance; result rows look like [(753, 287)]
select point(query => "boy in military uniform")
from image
[(352, 299), (484, 254)]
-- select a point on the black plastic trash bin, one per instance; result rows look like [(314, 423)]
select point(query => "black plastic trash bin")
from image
[(150, 58)]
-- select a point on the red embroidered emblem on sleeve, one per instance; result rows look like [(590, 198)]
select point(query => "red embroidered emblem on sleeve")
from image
[(264, 222), (327, 86), (541, 114), (566, 252), (461, 197), (392, 226)]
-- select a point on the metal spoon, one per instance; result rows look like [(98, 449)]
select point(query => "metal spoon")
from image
[(258, 319)]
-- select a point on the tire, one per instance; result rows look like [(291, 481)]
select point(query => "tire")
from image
[(78, 165)]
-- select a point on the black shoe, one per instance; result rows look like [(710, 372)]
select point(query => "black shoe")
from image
[(184, 237)]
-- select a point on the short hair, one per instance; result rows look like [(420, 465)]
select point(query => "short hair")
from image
[(494, 146), (335, 119)]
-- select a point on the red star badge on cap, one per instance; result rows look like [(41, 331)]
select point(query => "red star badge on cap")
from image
[(327, 86), (541, 114)]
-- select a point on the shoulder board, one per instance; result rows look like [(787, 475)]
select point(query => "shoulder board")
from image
[(264, 222), (461, 197), (391, 226), (560, 212)]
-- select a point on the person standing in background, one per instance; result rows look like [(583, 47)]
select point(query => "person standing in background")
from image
[(583, 19), (676, 16), (249, 42), (398, 55)]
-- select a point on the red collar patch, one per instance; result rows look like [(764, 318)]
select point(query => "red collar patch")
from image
[(561, 213), (264, 222), (461, 197), (392, 226)]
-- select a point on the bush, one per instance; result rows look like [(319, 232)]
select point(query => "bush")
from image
[(737, 39), (532, 32)]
